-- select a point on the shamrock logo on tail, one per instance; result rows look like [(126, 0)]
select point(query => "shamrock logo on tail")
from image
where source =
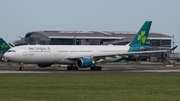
[(142, 37), (4, 45)]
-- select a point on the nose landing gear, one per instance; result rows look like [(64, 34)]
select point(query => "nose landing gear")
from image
[(21, 68)]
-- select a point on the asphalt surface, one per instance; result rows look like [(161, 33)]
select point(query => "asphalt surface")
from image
[(105, 69)]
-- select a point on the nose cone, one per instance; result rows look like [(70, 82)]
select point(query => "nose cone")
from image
[(6, 55)]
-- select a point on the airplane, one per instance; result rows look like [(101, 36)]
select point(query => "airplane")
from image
[(79, 56)]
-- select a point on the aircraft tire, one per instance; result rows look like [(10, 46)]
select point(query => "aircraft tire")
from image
[(68, 68), (76, 68), (21, 68), (99, 68), (92, 68), (72, 68)]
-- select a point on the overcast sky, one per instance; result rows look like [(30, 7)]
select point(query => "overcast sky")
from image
[(17, 17)]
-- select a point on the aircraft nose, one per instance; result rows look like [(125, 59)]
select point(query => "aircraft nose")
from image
[(6, 55)]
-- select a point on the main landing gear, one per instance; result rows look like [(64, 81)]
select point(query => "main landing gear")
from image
[(72, 67), (92, 68), (96, 68)]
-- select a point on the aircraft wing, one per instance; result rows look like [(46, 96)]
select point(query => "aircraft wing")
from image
[(102, 55)]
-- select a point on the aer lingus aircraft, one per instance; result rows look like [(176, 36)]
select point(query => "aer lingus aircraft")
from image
[(79, 56)]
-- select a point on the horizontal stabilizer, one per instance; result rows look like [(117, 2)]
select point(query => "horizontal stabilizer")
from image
[(174, 48)]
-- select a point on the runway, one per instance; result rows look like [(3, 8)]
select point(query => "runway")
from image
[(106, 69)]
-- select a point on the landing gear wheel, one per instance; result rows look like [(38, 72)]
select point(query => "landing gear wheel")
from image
[(72, 68), (76, 68), (92, 68), (96, 68), (21, 68), (99, 68), (68, 68)]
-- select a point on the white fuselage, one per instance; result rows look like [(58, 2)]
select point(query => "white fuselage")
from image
[(60, 53)]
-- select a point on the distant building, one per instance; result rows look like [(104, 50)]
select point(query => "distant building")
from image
[(156, 40), (91, 38)]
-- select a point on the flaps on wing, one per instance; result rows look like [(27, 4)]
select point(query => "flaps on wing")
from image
[(102, 55)]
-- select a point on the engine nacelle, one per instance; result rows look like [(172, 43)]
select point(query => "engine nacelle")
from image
[(84, 62), (42, 65)]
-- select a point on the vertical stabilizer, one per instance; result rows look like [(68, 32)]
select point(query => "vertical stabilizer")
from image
[(4, 47), (142, 35)]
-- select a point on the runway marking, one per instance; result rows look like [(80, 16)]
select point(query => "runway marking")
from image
[(150, 71), (105, 69), (9, 71), (159, 71)]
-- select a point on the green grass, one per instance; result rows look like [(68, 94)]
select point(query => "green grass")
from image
[(90, 87)]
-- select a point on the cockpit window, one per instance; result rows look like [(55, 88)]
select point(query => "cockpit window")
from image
[(11, 51)]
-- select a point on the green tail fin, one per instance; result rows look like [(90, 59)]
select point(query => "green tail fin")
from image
[(4, 47), (142, 35)]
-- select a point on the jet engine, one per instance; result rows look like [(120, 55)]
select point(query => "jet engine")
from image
[(42, 65), (84, 62)]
